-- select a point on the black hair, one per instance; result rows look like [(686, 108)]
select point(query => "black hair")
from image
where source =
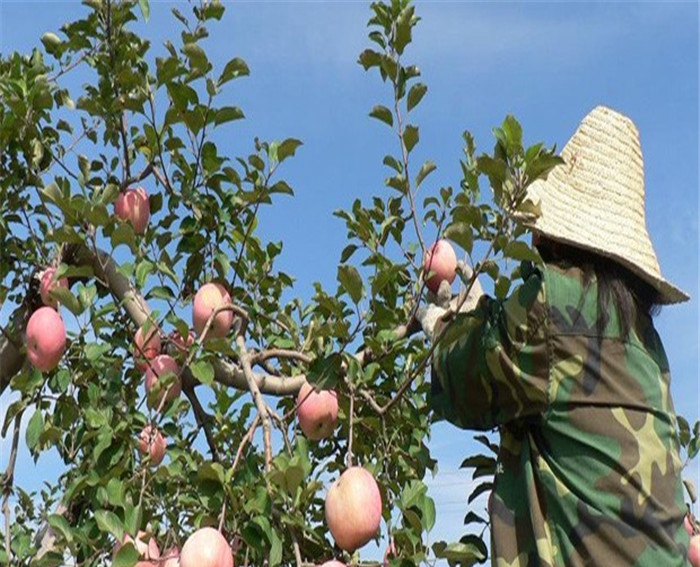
[(617, 285)]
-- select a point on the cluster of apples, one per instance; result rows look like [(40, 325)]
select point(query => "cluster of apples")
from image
[(206, 547), (353, 505), (148, 358), (46, 332)]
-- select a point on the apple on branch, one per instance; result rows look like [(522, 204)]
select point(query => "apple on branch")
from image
[(210, 297), (317, 411), (161, 365), (49, 283), (46, 339), (439, 264), (132, 206), (146, 346), (353, 508), (206, 548), (153, 444)]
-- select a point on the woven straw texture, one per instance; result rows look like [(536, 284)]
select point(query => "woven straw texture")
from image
[(595, 199)]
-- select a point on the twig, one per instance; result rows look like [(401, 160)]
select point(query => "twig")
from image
[(258, 399), (202, 417), (8, 479)]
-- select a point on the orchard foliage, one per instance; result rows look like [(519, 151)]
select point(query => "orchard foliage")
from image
[(236, 457)]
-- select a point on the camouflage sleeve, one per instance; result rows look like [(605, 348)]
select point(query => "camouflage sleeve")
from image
[(491, 364)]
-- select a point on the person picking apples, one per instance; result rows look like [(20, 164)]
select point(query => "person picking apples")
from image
[(572, 372)]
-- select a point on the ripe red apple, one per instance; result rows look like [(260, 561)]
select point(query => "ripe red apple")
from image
[(317, 411), (694, 550), (206, 548), (209, 298), (152, 443), (48, 284), (132, 205), (160, 365), (440, 260), (146, 346), (353, 508), (46, 339), (147, 551)]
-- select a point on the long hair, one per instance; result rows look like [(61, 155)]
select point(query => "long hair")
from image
[(617, 286)]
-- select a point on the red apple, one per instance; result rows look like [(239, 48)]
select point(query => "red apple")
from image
[(317, 411), (441, 261), (132, 205), (353, 508), (46, 339), (159, 366), (209, 298), (689, 524), (48, 284), (206, 548), (694, 550), (152, 443), (146, 346), (147, 551)]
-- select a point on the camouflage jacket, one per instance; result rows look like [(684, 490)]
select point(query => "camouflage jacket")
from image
[(589, 469)]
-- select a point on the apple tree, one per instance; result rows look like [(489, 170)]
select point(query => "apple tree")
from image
[(174, 400)]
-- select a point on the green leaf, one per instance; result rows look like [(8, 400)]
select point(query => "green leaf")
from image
[(324, 372), (369, 58), (410, 137), (287, 148), (109, 522), (228, 114), (196, 55), (34, 429), (127, 556), (93, 351), (383, 114), (512, 134), (145, 7), (461, 233), (347, 252), (415, 94), (351, 281), (519, 250), (60, 525), (203, 371), (275, 549), (236, 67), (465, 554), (426, 169), (212, 472), (293, 477), (393, 163)]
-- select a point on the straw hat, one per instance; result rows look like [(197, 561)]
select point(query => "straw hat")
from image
[(595, 199)]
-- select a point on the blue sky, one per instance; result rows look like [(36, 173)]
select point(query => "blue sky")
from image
[(548, 63)]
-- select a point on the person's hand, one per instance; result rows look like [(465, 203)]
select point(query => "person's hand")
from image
[(443, 302)]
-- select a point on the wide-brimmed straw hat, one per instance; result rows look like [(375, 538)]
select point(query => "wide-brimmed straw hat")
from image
[(595, 199)]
